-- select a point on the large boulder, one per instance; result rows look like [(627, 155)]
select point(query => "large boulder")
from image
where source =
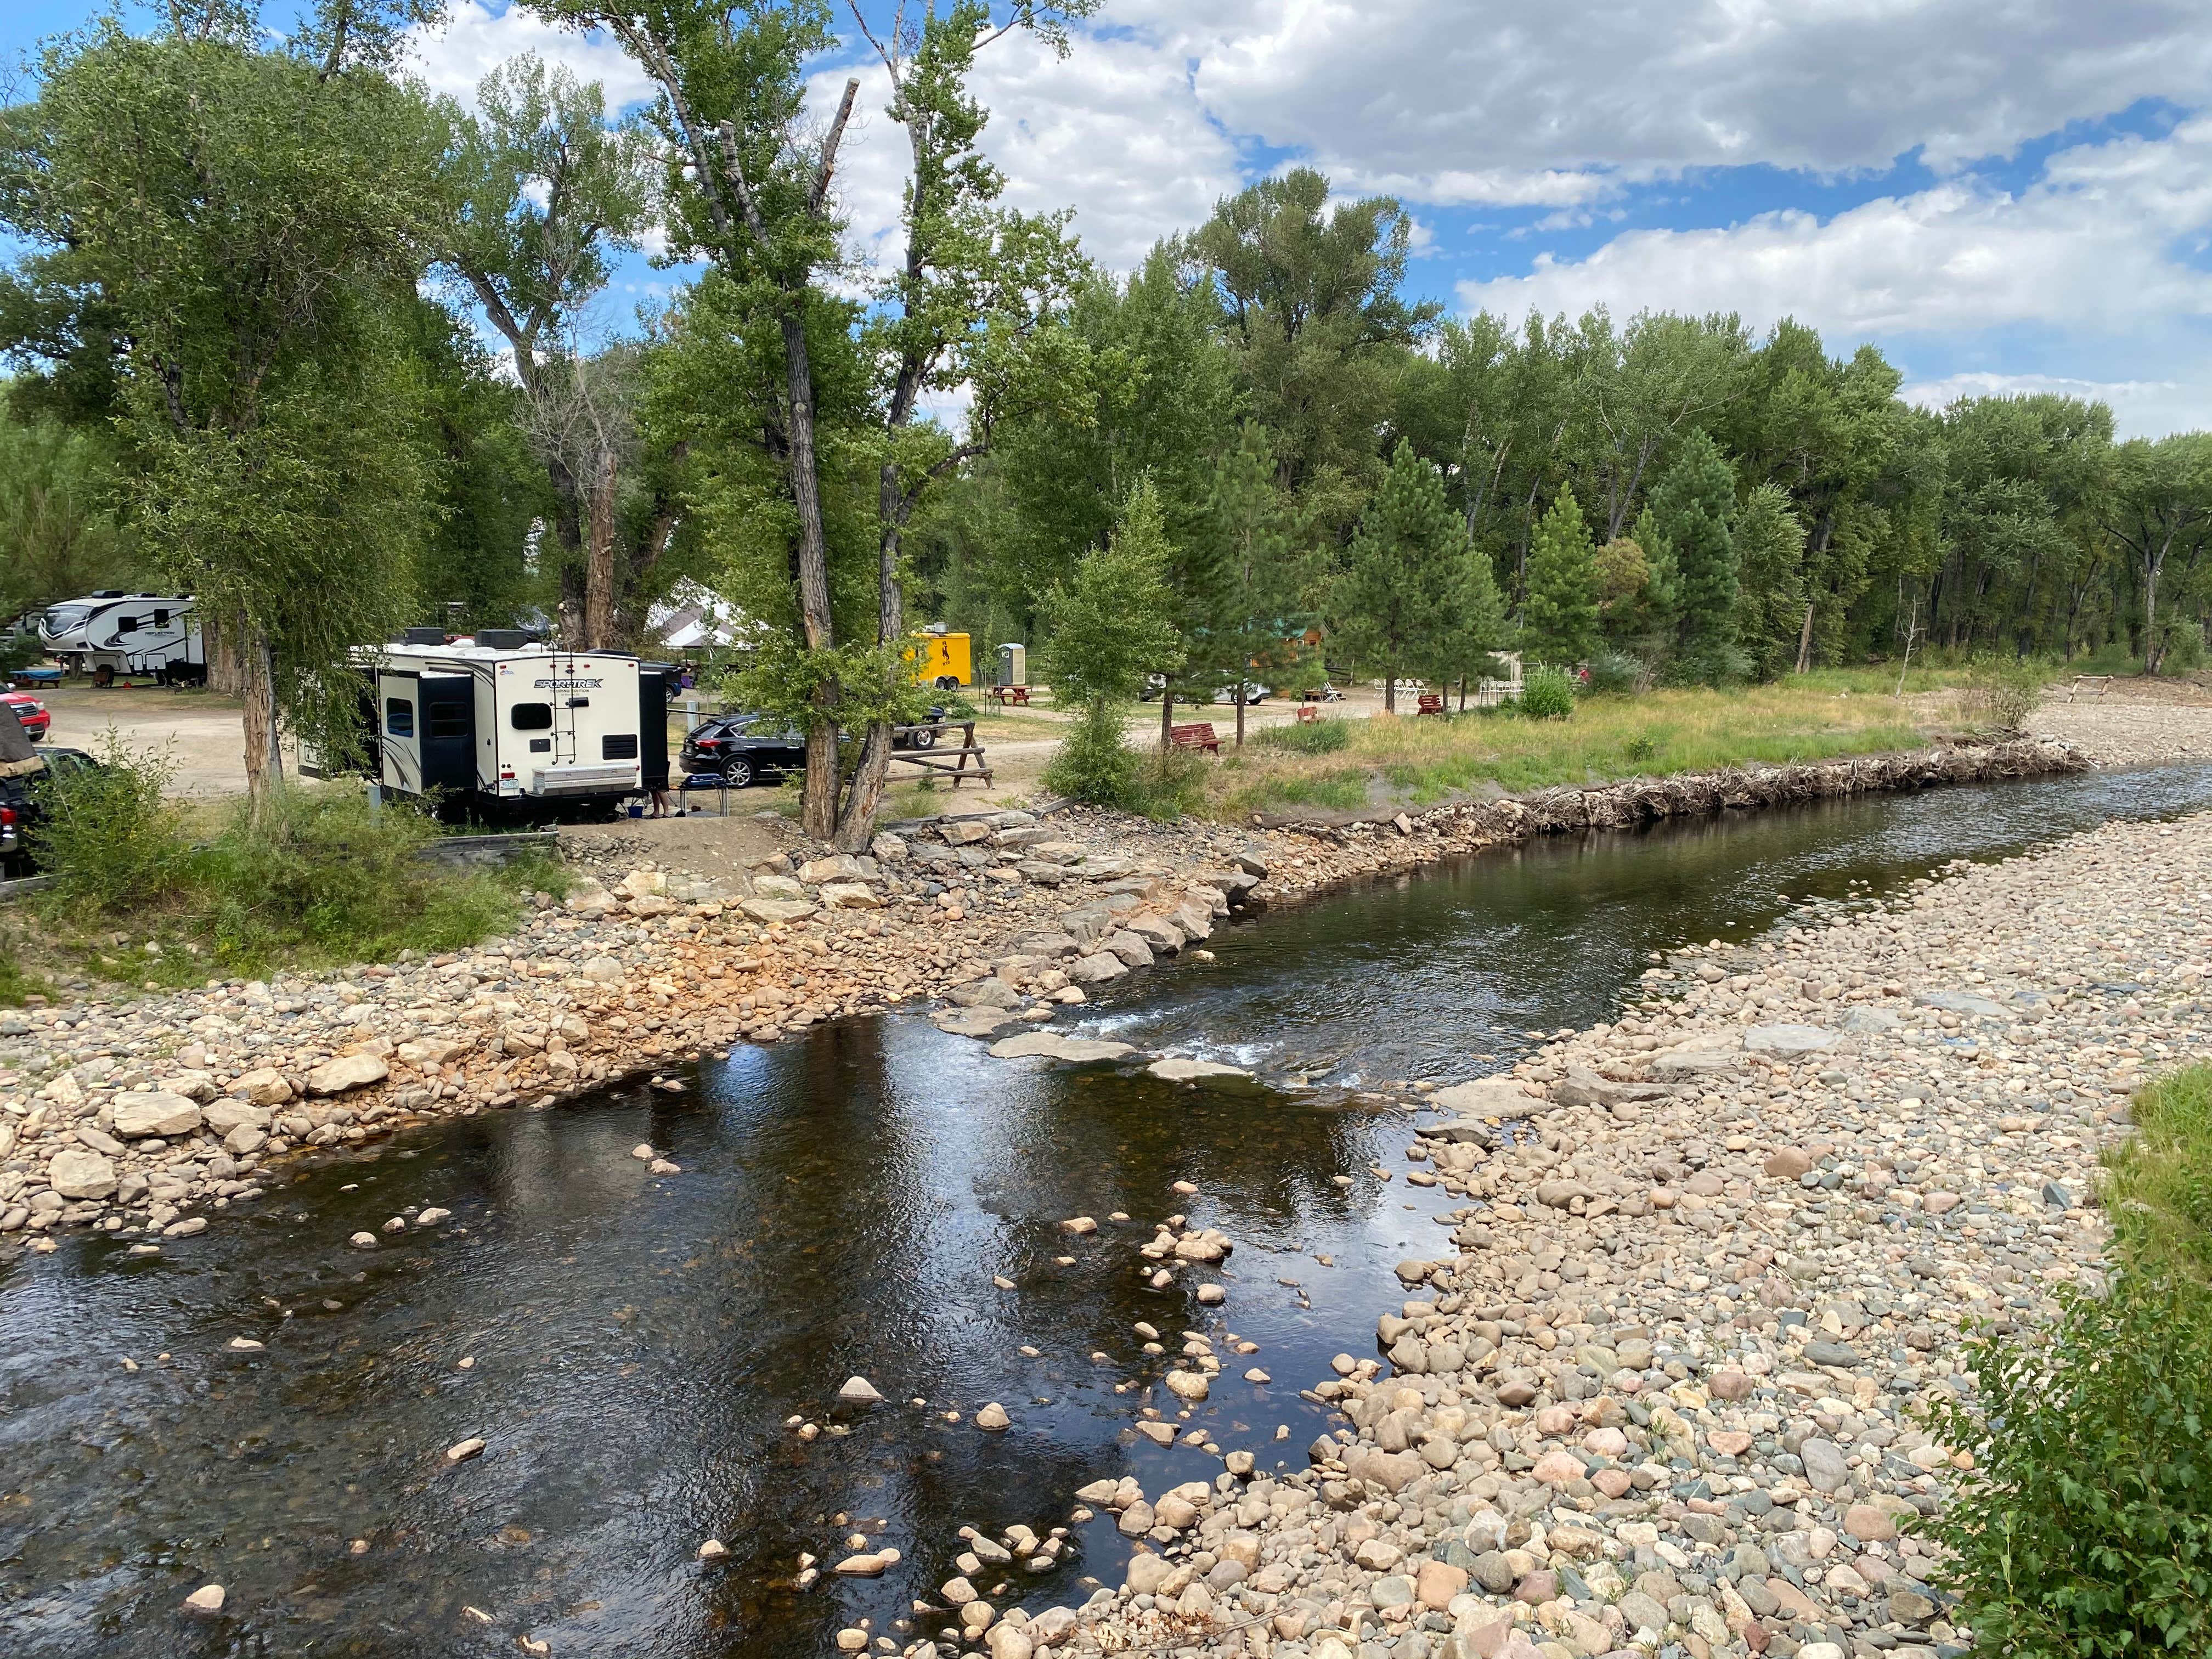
[(76, 1173), (264, 1086), (159, 1112), (771, 909), (336, 1077)]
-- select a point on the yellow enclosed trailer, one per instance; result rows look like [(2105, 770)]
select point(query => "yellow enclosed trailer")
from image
[(944, 660)]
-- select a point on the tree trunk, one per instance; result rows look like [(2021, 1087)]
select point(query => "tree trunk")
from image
[(1239, 713), (818, 809), (598, 631), (856, 824), (264, 770), (1389, 689), (1805, 641), (1167, 717), (2154, 564)]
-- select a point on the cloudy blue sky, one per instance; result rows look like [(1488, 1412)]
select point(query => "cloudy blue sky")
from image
[(2002, 194)]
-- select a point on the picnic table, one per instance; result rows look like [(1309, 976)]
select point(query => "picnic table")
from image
[(935, 760), (1016, 696)]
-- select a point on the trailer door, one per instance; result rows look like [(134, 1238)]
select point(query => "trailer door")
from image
[(398, 709), (447, 740)]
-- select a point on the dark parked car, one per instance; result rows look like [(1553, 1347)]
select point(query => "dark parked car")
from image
[(745, 748), (18, 802)]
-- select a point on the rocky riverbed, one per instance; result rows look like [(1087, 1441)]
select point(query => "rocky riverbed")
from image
[(1667, 1396), (1754, 1208), (146, 1117)]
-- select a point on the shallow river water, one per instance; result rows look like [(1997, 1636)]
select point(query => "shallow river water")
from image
[(637, 1345)]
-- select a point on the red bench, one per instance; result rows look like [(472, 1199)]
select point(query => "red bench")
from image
[(1309, 714), (1200, 736), (1432, 703)]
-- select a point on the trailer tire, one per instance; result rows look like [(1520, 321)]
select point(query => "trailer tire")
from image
[(738, 772), (947, 682)]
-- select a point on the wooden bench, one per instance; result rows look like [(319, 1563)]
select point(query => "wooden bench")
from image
[(1004, 694), (1200, 736), (2089, 685), (1432, 703), (937, 762), (1309, 714)]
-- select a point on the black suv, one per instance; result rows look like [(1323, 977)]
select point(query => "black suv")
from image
[(745, 748)]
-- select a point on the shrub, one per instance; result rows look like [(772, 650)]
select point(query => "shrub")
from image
[(1322, 738), (1548, 694), (2002, 691), (1093, 764), (106, 833), (2185, 649), (1170, 784), (324, 876), (1617, 673), (2085, 1528)]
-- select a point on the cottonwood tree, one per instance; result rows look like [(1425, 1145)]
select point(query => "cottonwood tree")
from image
[(2160, 502), (749, 184), (247, 214), (540, 192), (1770, 546)]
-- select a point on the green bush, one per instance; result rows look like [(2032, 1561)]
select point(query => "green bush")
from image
[(1322, 738), (323, 877), (107, 834), (2084, 1530), (1170, 784), (1618, 674), (2185, 649), (1093, 764), (2003, 691), (1548, 694)]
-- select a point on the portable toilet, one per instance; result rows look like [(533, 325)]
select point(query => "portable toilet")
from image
[(1013, 664)]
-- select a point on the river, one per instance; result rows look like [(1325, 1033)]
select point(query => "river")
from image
[(636, 1345)]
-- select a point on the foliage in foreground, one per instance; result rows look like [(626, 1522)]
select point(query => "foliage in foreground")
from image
[(318, 879), (2085, 1528)]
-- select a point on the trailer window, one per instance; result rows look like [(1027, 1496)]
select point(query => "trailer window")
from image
[(160, 619), (618, 745), (127, 625), (449, 720), (531, 717), (399, 717)]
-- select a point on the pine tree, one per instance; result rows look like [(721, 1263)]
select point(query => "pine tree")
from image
[(1769, 544), (1695, 507), (1560, 624), (1267, 605), (1392, 602), (1108, 627)]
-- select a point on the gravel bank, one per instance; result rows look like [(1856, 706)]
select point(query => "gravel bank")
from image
[(2124, 734), (1666, 1396)]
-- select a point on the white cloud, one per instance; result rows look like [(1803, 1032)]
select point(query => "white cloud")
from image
[(2088, 248), (1501, 90), (1112, 132), (2138, 406), (473, 40)]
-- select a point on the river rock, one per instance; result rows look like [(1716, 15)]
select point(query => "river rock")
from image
[(76, 1173), (1054, 1045), (1488, 1097), (993, 1418), (264, 1086), (158, 1113), (859, 1391), (206, 1600), (1176, 1069), (224, 1116), (336, 1076), (1789, 1040)]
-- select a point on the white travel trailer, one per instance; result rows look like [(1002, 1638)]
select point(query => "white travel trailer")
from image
[(117, 633), (531, 728)]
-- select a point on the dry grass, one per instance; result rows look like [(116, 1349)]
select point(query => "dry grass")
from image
[(1392, 762)]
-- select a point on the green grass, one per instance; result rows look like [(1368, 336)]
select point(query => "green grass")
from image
[(2158, 1186), (1414, 762), (320, 881)]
